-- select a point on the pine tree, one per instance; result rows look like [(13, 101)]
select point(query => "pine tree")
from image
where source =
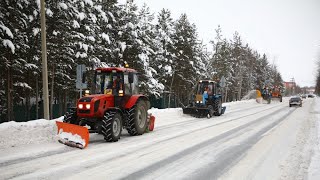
[(147, 51), (165, 55), (222, 62), (186, 67), (317, 88), (14, 46)]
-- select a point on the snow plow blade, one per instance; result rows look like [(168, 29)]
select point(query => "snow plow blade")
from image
[(73, 135), (195, 111)]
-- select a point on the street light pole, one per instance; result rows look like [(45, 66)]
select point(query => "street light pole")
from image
[(44, 62)]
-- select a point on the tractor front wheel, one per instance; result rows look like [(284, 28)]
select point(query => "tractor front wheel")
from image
[(111, 126), (137, 119), (217, 107), (71, 117), (210, 111)]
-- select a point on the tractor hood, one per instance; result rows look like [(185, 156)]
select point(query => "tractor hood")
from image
[(94, 105), (94, 97)]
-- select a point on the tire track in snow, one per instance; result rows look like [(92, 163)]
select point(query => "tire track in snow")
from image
[(194, 120), (130, 148), (159, 129), (233, 154), (37, 156)]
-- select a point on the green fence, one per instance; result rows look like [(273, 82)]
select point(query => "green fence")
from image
[(21, 115), (163, 101), (20, 112)]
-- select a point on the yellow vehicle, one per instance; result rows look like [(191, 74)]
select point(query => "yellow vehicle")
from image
[(277, 93), (264, 94)]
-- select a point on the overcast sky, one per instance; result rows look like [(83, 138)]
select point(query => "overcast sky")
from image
[(288, 31)]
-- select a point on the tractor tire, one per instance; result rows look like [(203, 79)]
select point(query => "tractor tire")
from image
[(281, 99), (210, 111), (269, 100), (111, 126), (71, 118), (217, 107), (137, 119)]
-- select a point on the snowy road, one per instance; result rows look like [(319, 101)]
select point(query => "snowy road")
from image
[(250, 141)]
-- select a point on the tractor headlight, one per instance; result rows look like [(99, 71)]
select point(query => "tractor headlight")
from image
[(88, 106), (120, 92), (197, 101), (80, 106), (200, 101), (87, 92)]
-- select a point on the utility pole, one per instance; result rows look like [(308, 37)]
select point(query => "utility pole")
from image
[(44, 62), (293, 86)]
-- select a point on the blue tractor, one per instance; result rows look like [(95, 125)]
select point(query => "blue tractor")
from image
[(207, 100)]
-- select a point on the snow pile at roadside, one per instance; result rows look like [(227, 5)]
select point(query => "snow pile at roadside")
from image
[(315, 165), (13, 134)]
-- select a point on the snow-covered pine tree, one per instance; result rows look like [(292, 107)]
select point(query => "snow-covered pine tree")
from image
[(148, 48), (317, 88), (186, 62), (238, 59), (14, 46), (222, 62), (108, 19), (60, 48), (165, 54)]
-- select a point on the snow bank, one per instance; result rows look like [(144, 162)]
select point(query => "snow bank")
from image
[(13, 134), (315, 160)]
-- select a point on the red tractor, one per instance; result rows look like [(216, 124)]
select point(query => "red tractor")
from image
[(115, 104)]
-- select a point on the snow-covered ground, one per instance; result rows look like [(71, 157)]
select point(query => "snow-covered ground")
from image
[(250, 141)]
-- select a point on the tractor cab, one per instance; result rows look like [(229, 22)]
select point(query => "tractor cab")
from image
[(206, 101), (277, 93), (116, 81), (204, 90)]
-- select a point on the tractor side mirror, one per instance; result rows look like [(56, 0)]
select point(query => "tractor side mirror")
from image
[(130, 77)]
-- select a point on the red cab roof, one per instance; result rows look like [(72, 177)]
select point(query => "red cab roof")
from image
[(118, 69)]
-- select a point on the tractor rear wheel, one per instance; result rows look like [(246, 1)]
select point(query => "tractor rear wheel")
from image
[(137, 119), (111, 126), (217, 107)]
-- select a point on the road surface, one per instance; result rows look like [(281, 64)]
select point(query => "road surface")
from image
[(250, 141)]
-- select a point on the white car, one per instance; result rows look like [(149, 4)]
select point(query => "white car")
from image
[(295, 101)]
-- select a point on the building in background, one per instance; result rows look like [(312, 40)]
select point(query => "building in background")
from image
[(290, 87)]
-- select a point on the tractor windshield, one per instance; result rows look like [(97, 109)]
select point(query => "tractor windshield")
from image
[(205, 86), (104, 82)]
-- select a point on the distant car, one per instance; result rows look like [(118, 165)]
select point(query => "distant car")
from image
[(304, 96), (295, 101), (310, 96)]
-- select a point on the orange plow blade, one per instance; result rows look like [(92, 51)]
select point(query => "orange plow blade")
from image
[(73, 135)]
